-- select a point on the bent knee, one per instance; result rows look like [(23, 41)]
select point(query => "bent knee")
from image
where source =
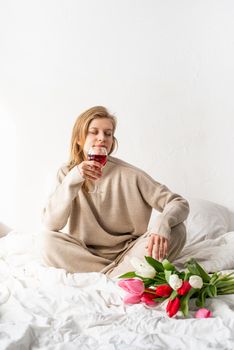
[(179, 232), (47, 246), (177, 241)]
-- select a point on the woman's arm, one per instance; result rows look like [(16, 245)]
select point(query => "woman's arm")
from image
[(57, 211), (173, 209)]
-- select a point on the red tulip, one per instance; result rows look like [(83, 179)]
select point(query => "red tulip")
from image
[(163, 290), (184, 288), (147, 298), (150, 292), (173, 306)]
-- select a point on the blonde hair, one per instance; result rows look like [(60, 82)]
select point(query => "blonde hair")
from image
[(80, 131)]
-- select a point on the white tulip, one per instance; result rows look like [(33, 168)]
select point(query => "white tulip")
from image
[(196, 282), (175, 282), (143, 268)]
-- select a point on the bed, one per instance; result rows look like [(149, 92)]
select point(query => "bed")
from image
[(47, 308)]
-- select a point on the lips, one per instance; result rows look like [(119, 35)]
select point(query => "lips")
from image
[(100, 146)]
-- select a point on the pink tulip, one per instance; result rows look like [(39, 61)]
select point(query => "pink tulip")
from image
[(132, 299), (132, 286), (203, 313)]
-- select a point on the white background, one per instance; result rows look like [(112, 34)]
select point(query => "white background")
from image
[(164, 68)]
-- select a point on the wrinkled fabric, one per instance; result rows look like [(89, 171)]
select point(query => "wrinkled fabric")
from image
[(49, 309)]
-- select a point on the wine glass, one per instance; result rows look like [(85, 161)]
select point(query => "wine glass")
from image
[(99, 154)]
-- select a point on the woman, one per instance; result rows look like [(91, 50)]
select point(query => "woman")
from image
[(108, 225)]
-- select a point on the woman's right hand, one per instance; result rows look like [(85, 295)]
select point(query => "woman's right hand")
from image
[(90, 170)]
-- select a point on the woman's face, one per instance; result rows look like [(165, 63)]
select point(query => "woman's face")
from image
[(100, 133)]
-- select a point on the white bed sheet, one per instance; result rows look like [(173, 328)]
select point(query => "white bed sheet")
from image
[(46, 308)]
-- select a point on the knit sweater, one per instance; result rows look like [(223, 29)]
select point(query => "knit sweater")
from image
[(108, 219)]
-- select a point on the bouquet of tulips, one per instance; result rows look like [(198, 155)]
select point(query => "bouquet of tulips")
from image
[(153, 282)]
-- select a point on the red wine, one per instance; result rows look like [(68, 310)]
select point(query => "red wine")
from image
[(101, 158)]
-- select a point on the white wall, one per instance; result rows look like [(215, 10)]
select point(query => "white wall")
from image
[(165, 68)]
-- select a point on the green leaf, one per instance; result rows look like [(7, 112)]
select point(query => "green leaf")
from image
[(211, 291), (159, 300), (184, 306), (225, 290), (187, 274), (214, 278), (155, 263), (201, 298), (173, 295), (184, 301), (222, 284), (148, 282), (182, 275), (168, 266), (167, 275), (227, 275), (128, 275), (196, 269)]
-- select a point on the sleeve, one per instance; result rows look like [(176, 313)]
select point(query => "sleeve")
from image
[(57, 211), (173, 208)]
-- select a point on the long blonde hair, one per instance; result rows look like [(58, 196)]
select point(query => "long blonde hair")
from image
[(80, 131)]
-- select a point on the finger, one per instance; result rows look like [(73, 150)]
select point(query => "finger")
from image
[(156, 248), (95, 164), (150, 245), (159, 248), (157, 251), (96, 169), (161, 251), (165, 248), (153, 246), (92, 177), (92, 171), (89, 177)]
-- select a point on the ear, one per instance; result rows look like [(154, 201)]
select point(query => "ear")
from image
[(78, 142)]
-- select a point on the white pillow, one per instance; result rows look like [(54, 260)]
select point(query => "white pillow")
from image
[(206, 220), (4, 229)]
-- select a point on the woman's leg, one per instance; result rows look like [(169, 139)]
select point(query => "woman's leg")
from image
[(139, 249), (64, 251)]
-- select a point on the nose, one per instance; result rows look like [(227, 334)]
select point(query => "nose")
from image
[(101, 136)]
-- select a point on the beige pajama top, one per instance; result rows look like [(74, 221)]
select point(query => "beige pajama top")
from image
[(109, 219)]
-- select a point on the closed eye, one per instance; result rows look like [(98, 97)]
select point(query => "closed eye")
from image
[(95, 131)]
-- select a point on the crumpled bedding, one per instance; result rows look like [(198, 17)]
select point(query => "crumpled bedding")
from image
[(47, 308)]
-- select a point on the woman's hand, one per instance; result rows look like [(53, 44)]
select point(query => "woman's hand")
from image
[(90, 170), (158, 246)]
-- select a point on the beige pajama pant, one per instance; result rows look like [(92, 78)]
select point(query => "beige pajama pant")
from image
[(61, 250)]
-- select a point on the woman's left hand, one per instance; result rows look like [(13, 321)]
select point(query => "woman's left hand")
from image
[(158, 246)]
